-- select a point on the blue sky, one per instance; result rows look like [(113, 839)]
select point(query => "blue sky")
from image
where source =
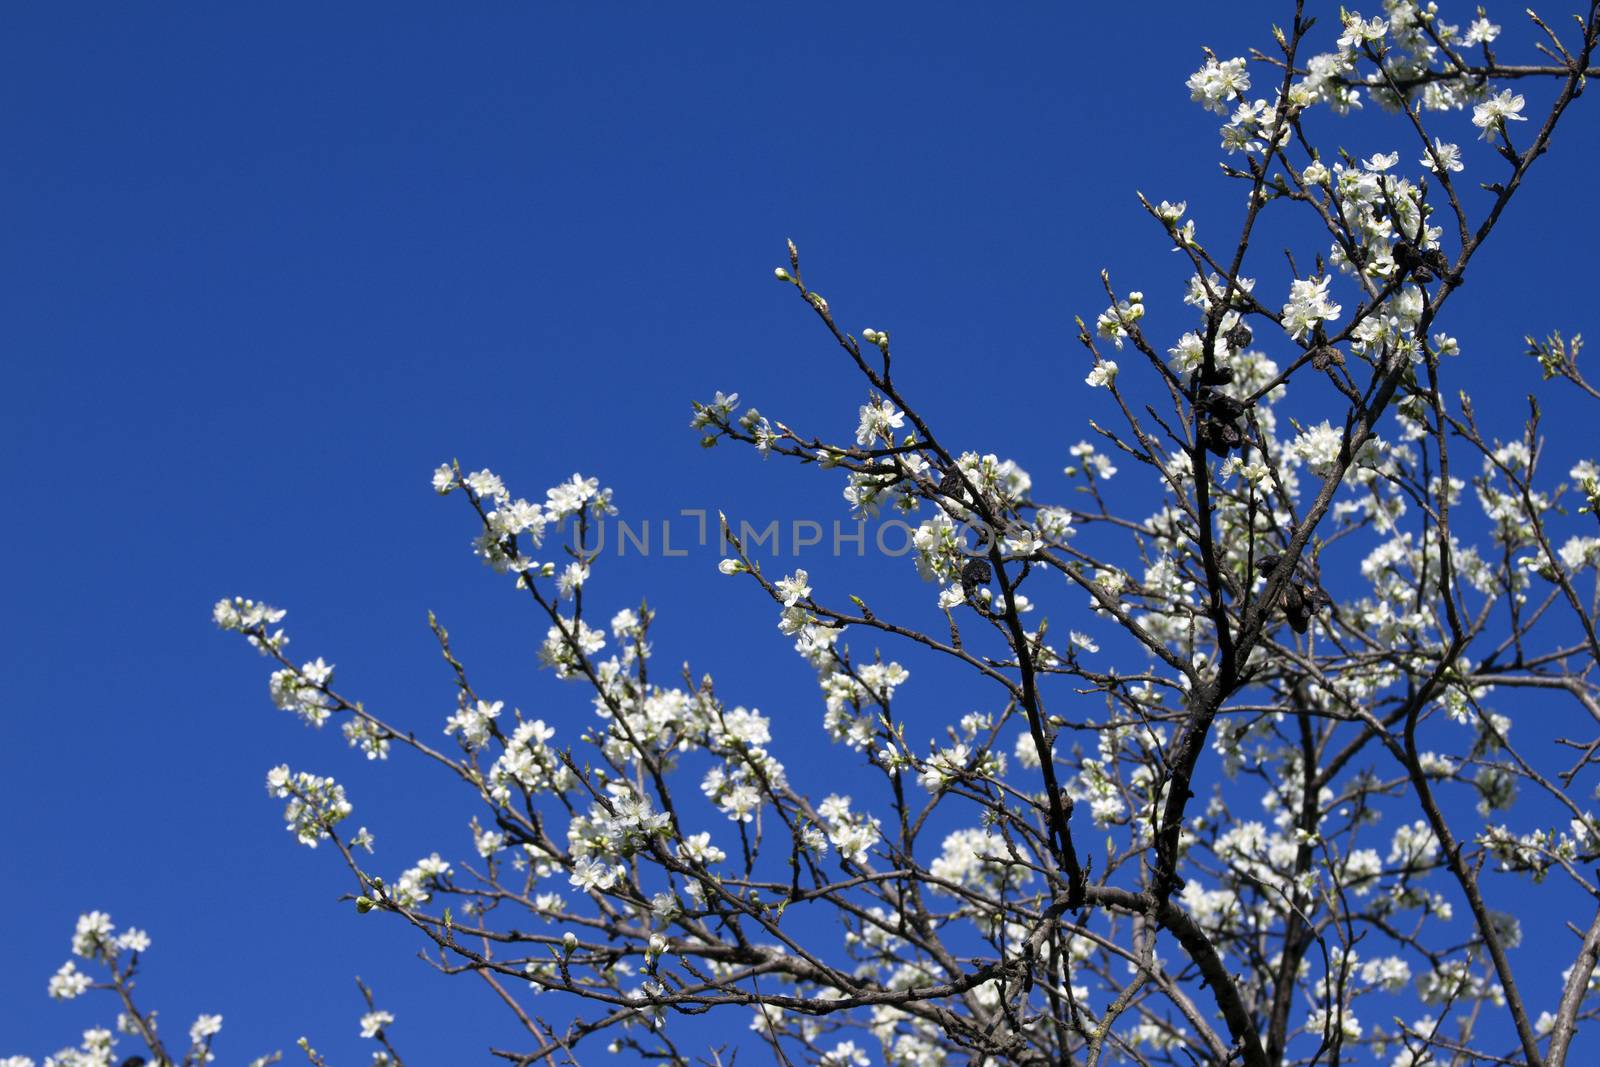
[(265, 269)]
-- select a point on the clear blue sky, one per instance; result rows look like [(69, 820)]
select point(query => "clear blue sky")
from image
[(264, 269)]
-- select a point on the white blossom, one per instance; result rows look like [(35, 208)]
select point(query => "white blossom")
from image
[(1492, 115)]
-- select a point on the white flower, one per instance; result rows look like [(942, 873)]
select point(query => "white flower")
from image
[(93, 934), (517, 516), (558, 651), (68, 982), (717, 412), (855, 840), (374, 1021), (853, 835), (1114, 321), (487, 842), (205, 1026), (1104, 373), (572, 579), (96, 1046), (486, 483), (589, 874), (1580, 552), (1215, 84), (1449, 155), (944, 767), (444, 479), (1083, 641), (1381, 162), (474, 722), (416, 884), (731, 566), (1390, 972), (1091, 462), (133, 940), (878, 419), (793, 588), (1492, 115), (314, 805), (1321, 1021), (795, 620), (241, 614), (1318, 447), (845, 1054), (1481, 31), (577, 493), (697, 848), (1358, 32), (1308, 305)]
